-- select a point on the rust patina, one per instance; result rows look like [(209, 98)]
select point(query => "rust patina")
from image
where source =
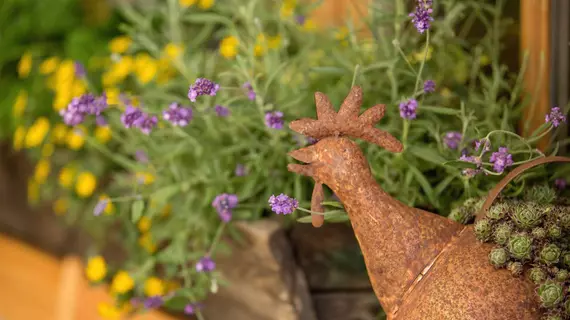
[(422, 266)]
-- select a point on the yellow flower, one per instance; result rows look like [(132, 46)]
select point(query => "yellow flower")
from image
[(205, 4), (171, 285), (75, 138), (341, 33), (20, 104), (118, 71), (33, 191), (120, 44), (122, 283), (19, 136), (65, 74), (96, 269), (145, 67), (59, 133), (173, 51), (153, 286), (60, 206), (42, 170), (62, 98), (446, 93), (419, 56), (109, 311), (229, 46), (484, 60), (287, 9), (86, 184), (187, 3), (146, 242), (274, 42), (112, 96), (103, 134), (66, 176), (79, 88), (37, 132), (109, 208), (47, 150), (144, 224), (309, 25), (166, 210), (145, 178), (25, 65), (49, 65)]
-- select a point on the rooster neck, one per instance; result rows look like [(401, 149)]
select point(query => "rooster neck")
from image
[(397, 241)]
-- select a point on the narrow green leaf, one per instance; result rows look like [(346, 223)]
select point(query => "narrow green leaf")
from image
[(328, 70), (439, 110), (427, 154), (208, 18), (426, 186), (137, 210), (162, 196), (334, 204)]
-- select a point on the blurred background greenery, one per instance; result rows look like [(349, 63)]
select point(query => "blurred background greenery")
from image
[(76, 29)]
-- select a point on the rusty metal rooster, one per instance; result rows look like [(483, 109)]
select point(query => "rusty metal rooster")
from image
[(422, 266)]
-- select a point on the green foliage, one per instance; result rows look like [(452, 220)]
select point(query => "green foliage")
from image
[(45, 29), (163, 211), (542, 254)]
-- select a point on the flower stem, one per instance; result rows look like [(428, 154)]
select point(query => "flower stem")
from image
[(216, 239), (419, 76)]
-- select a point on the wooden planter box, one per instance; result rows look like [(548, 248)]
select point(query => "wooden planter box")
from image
[(36, 285)]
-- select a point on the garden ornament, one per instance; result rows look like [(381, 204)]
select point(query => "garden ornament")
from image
[(422, 266)]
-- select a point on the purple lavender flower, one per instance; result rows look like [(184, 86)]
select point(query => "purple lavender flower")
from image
[(222, 111), (191, 308), (274, 120), (283, 204), (486, 144), (224, 203), (202, 87), (408, 109), (422, 18), (141, 156), (501, 160), (153, 302), (471, 159), (131, 116), (205, 264), (311, 140), (300, 19), (80, 107), (241, 170), (560, 183), (100, 207), (250, 93), (178, 115), (79, 69), (470, 173), (146, 123), (429, 86), (556, 117), (452, 139), (101, 121)]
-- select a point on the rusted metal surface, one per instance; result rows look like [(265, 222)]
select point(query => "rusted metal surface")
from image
[(422, 266)]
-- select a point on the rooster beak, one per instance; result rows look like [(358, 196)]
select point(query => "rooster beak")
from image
[(306, 155)]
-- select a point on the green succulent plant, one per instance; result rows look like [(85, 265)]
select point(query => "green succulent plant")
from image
[(498, 257), (552, 317), (567, 306), (564, 218), (483, 229), (554, 232), (515, 267), (502, 233), (537, 275), (562, 275), (539, 233), (551, 294), (520, 246), (550, 254), (566, 259), (462, 215), (498, 211), (527, 215), (540, 193)]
